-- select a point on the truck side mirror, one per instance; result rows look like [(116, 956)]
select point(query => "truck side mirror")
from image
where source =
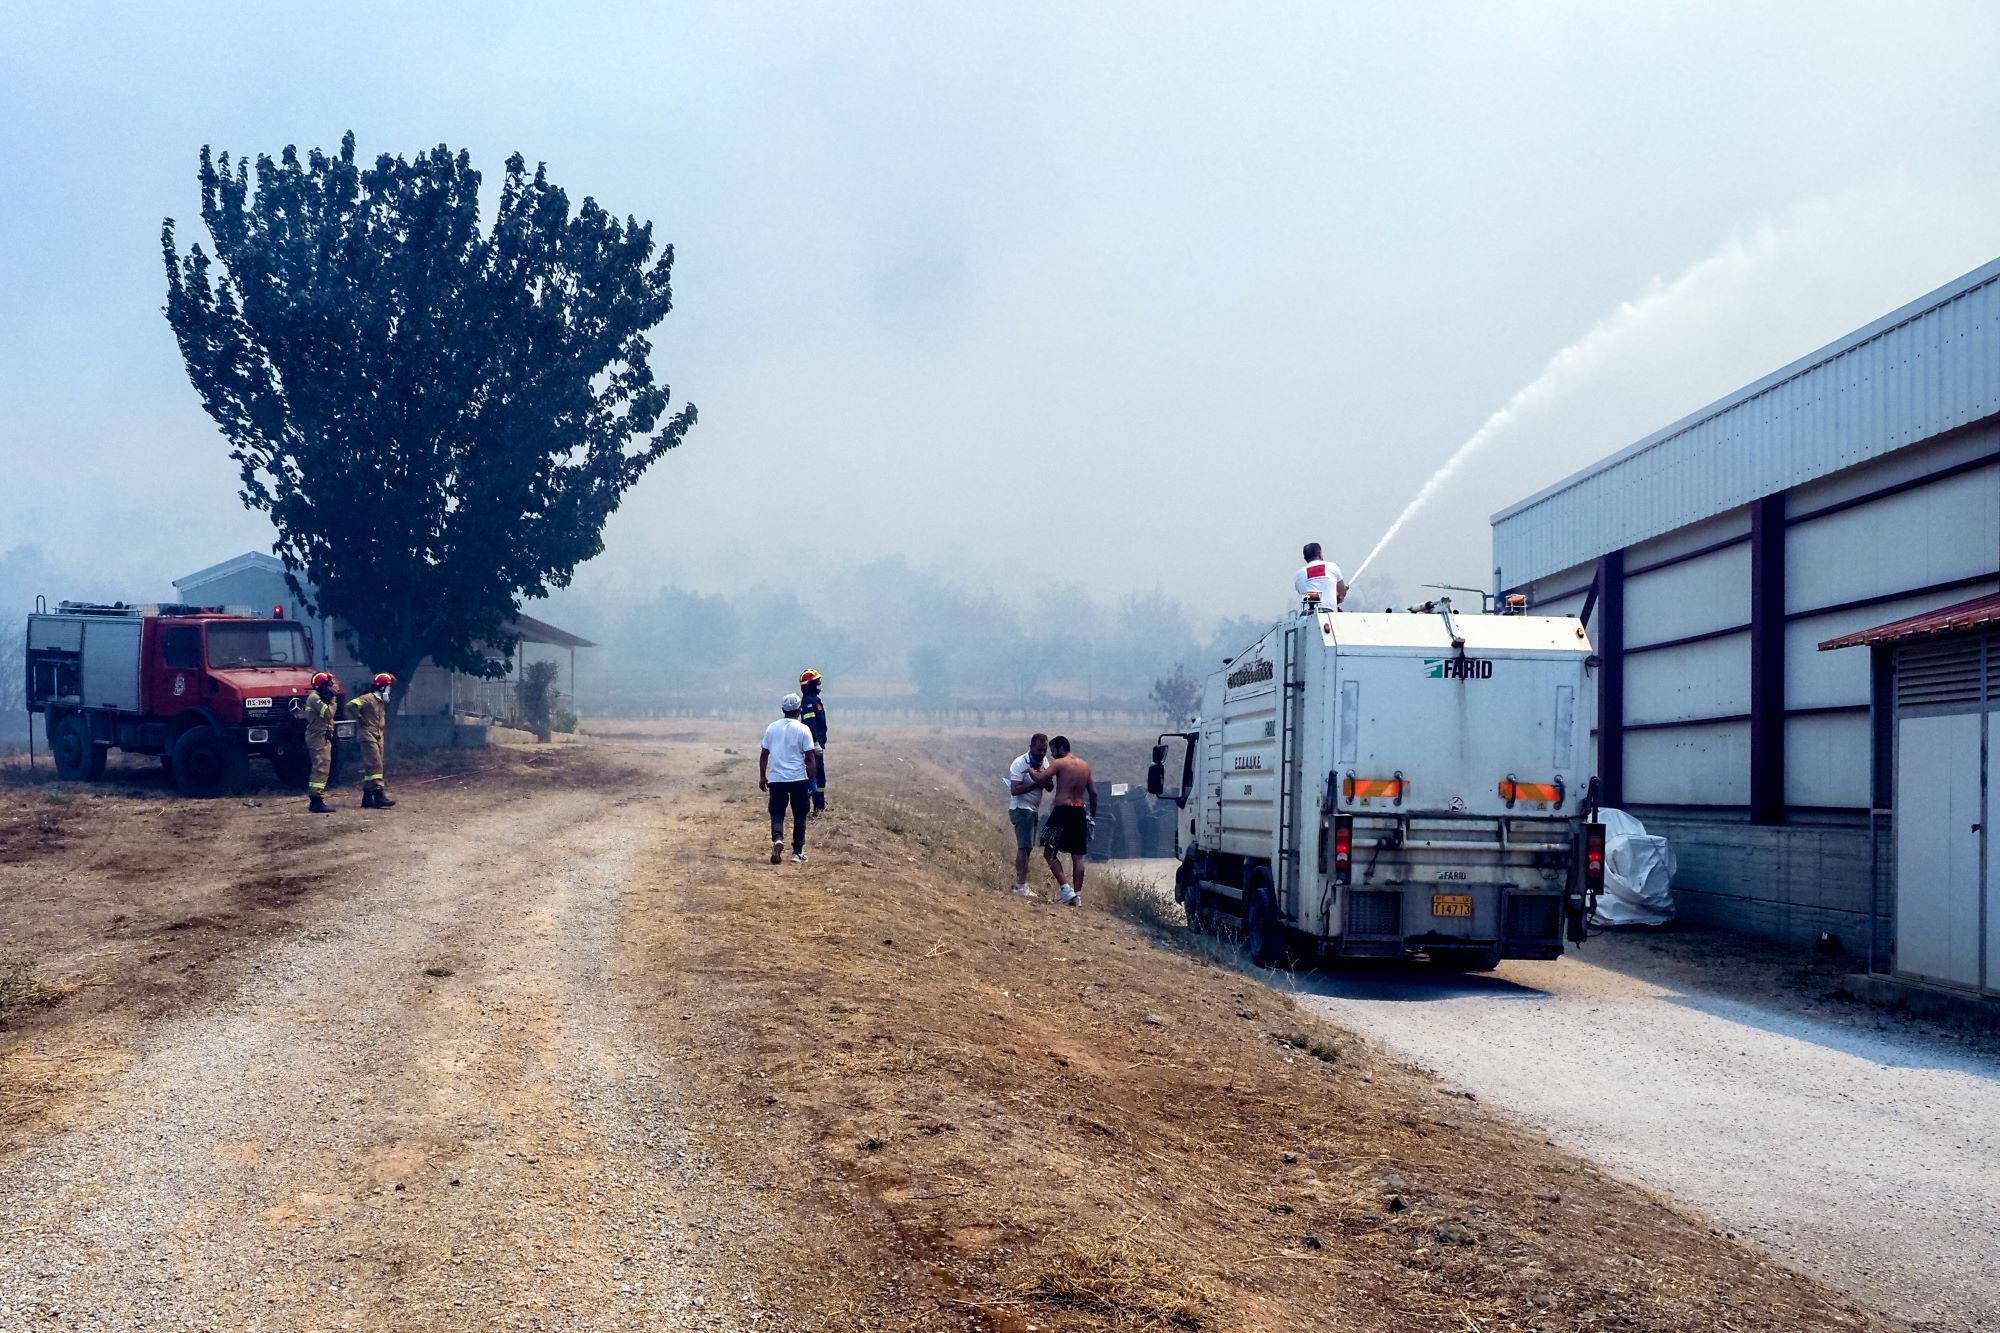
[(1156, 772), (1159, 754)]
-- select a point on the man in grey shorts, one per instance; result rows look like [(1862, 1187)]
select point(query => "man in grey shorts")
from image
[(1025, 784)]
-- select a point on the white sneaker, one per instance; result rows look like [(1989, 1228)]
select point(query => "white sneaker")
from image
[(798, 858), (1068, 897), (1023, 891)]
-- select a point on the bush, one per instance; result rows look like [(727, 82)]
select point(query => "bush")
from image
[(563, 720), (535, 693)]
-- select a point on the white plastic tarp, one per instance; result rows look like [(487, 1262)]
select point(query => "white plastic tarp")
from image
[(1638, 874)]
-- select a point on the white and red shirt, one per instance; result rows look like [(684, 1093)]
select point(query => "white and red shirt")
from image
[(1322, 577)]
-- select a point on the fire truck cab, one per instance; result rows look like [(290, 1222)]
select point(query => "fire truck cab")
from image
[(205, 688)]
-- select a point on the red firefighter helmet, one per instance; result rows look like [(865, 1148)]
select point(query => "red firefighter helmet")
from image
[(383, 680), (809, 677), (322, 678)]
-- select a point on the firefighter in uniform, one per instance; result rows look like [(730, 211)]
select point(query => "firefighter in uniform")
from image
[(321, 708), (371, 712), (813, 713)]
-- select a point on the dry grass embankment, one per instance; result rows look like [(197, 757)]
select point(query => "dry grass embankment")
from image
[(989, 1113)]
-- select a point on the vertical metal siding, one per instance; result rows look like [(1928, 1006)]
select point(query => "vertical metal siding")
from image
[(1926, 369)]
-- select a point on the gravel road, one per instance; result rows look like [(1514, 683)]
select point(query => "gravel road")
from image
[(1866, 1151), (346, 1141)]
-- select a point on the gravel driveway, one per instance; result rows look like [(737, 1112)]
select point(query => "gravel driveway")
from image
[(1863, 1148), (426, 1111)]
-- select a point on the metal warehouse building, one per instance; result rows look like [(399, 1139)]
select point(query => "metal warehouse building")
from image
[(1855, 487)]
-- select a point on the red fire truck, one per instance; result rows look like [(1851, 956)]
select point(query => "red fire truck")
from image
[(204, 688)]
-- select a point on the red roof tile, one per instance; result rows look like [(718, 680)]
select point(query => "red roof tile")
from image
[(1963, 615)]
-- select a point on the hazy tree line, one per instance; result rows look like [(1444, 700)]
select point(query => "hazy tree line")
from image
[(890, 633)]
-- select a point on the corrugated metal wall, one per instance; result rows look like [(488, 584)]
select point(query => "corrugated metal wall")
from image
[(1928, 368), (1851, 561)]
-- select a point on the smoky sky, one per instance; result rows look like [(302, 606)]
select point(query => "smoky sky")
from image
[(1136, 295)]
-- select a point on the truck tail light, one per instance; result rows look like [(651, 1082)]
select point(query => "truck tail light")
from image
[(1343, 849), (1583, 896), (1593, 858)]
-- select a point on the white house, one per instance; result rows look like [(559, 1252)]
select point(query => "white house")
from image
[(439, 707)]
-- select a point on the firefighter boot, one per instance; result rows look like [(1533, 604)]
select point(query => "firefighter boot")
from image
[(318, 805), (367, 798), (382, 801)]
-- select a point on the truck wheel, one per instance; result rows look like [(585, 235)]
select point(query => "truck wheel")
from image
[(1465, 960), (205, 763), (78, 758), (293, 767), (1187, 890), (1261, 931)]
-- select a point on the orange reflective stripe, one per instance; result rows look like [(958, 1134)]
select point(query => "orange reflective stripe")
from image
[(1530, 791), (1373, 787)]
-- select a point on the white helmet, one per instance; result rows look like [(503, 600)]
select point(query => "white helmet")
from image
[(791, 703)]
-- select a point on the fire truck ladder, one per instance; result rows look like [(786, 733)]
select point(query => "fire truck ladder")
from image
[(1290, 688)]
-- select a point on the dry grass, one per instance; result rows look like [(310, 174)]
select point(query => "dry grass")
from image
[(1126, 895), (968, 1093), (21, 989), (1121, 1281)]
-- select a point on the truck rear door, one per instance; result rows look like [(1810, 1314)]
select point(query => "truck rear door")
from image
[(1494, 728)]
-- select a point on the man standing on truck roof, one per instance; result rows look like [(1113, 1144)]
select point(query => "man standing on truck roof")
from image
[(1025, 785), (1318, 577), (785, 767), (371, 710), (1068, 829), (321, 708), (812, 712)]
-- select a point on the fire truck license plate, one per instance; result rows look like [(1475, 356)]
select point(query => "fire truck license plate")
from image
[(1451, 904)]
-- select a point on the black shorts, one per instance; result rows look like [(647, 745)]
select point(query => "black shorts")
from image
[(1068, 830)]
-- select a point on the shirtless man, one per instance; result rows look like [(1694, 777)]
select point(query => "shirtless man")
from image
[(1068, 829)]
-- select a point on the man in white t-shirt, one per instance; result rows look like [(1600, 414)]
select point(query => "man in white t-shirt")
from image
[(786, 767), (1025, 784), (1318, 578)]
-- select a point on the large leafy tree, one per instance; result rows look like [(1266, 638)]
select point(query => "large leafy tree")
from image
[(438, 417)]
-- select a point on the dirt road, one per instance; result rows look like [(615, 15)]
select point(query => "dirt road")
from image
[(341, 1138), (549, 1046), (1857, 1146)]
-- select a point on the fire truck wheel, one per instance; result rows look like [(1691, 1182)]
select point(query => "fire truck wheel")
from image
[(78, 758), (205, 763), (293, 767), (1261, 931)]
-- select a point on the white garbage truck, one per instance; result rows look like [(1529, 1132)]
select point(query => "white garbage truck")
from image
[(1389, 785)]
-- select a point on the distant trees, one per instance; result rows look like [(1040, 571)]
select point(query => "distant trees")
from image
[(1178, 696), (437, 417), (909, 632)]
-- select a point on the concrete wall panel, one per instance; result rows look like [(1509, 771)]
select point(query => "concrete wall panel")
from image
[(1784, 882), (1698, 596), (1827, 759), (1947, 530), (1689, 765), (1696, 680)]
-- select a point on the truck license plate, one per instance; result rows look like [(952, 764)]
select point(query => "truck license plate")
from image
[(1451, 904)]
